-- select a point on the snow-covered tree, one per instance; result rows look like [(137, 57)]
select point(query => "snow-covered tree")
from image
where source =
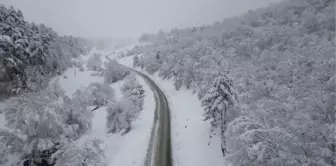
[(252, 143), (119, 116), (27, 48), (134, 92), (165, 71), (96, 95), (152, 64), (77, 113), (219, 106), (41, 123), (114, 72), (36, 119), (101, 94), (188, 74), (94, 63), (121, 113), (80, 153)]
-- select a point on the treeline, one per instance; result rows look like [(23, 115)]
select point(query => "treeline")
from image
[(31, 53), (266, 80)]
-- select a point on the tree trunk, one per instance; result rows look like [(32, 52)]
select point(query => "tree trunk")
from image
[(223, 129)]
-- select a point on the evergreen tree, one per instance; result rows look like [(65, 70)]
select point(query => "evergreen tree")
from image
[(218, 104)]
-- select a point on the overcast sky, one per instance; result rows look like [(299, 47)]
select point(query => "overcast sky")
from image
[(128, 18)]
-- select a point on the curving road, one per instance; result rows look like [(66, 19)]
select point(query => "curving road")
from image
[(159, 150)]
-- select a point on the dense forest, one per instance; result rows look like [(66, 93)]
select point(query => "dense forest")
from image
[(266, 80), (32, 53)]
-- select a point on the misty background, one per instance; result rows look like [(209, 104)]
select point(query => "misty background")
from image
[(128, 18)]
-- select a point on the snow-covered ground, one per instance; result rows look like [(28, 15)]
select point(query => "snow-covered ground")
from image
[(129, 149), (120, 150), (190, 134)]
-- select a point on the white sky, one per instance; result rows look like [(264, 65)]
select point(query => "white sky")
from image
[(128, 18)]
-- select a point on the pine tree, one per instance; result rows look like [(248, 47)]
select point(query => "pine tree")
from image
[(218, 104)]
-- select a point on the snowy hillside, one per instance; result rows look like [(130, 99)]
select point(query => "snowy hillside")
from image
[(266, 82)]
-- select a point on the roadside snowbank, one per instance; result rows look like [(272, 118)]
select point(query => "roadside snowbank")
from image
[(190, 134)]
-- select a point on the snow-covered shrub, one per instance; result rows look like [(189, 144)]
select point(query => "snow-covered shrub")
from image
[(114, 72), (37, 122), (10, 143), (133, 91), (78, 114), (42, 122), (94, 62), (252, 143), (88, 153), (119, 116), (123, 112), (96, 94), (152, 64), (101, 94)]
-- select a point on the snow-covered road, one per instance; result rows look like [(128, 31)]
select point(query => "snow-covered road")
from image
[(159, 151)]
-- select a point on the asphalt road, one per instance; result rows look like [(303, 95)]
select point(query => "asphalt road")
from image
[(159, 150)]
